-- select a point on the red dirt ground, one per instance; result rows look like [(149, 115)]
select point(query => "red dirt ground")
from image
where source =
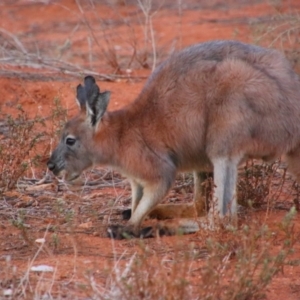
[(46, 48)]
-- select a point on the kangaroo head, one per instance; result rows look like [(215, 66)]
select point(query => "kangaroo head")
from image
[(74, 151)]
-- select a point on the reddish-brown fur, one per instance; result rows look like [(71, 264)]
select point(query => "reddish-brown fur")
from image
[(206, 108)]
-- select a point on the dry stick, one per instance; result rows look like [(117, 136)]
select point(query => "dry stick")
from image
[(15, 39), (79, 16), (273, 29), (35, 61), (282, 182), (67, 43), (87, 23), (59, 66), (89, 40), (25, 278), (81, 72), (180, 22), (132, 41), (287, 31), (152, 43), (113, 62), (278, 189), (146, 8), (119, 278)]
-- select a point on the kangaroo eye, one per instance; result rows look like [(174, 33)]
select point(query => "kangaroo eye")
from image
[(70, 141)]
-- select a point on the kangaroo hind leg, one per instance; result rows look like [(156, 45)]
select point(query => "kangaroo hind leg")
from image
[(225, 179)]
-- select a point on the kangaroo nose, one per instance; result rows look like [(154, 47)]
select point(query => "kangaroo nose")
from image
[(50, 165)]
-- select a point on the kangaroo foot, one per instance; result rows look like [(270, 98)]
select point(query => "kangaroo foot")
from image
[(157, 230), (126, 214), (119, 232)]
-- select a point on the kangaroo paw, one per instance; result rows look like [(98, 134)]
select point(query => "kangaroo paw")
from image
[(147, 232), (126, 214), (119, 232), (158, 230)]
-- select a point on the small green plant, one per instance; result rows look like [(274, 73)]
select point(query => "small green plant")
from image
[(55, 241), (63, 211), (19, 222)]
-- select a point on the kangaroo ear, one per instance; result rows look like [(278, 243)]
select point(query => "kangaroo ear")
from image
[(91, 100), (99, 107)]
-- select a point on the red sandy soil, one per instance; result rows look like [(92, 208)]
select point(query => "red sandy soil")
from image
[(47, 47)]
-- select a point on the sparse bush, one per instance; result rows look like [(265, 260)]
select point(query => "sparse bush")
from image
[(260, 185), (19, 141), (241, 265), (255, 182), (58, 117), (237, 264), (136, 32), (281, 32)]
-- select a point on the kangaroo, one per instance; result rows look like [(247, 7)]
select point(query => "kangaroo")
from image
[(206, 108)]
